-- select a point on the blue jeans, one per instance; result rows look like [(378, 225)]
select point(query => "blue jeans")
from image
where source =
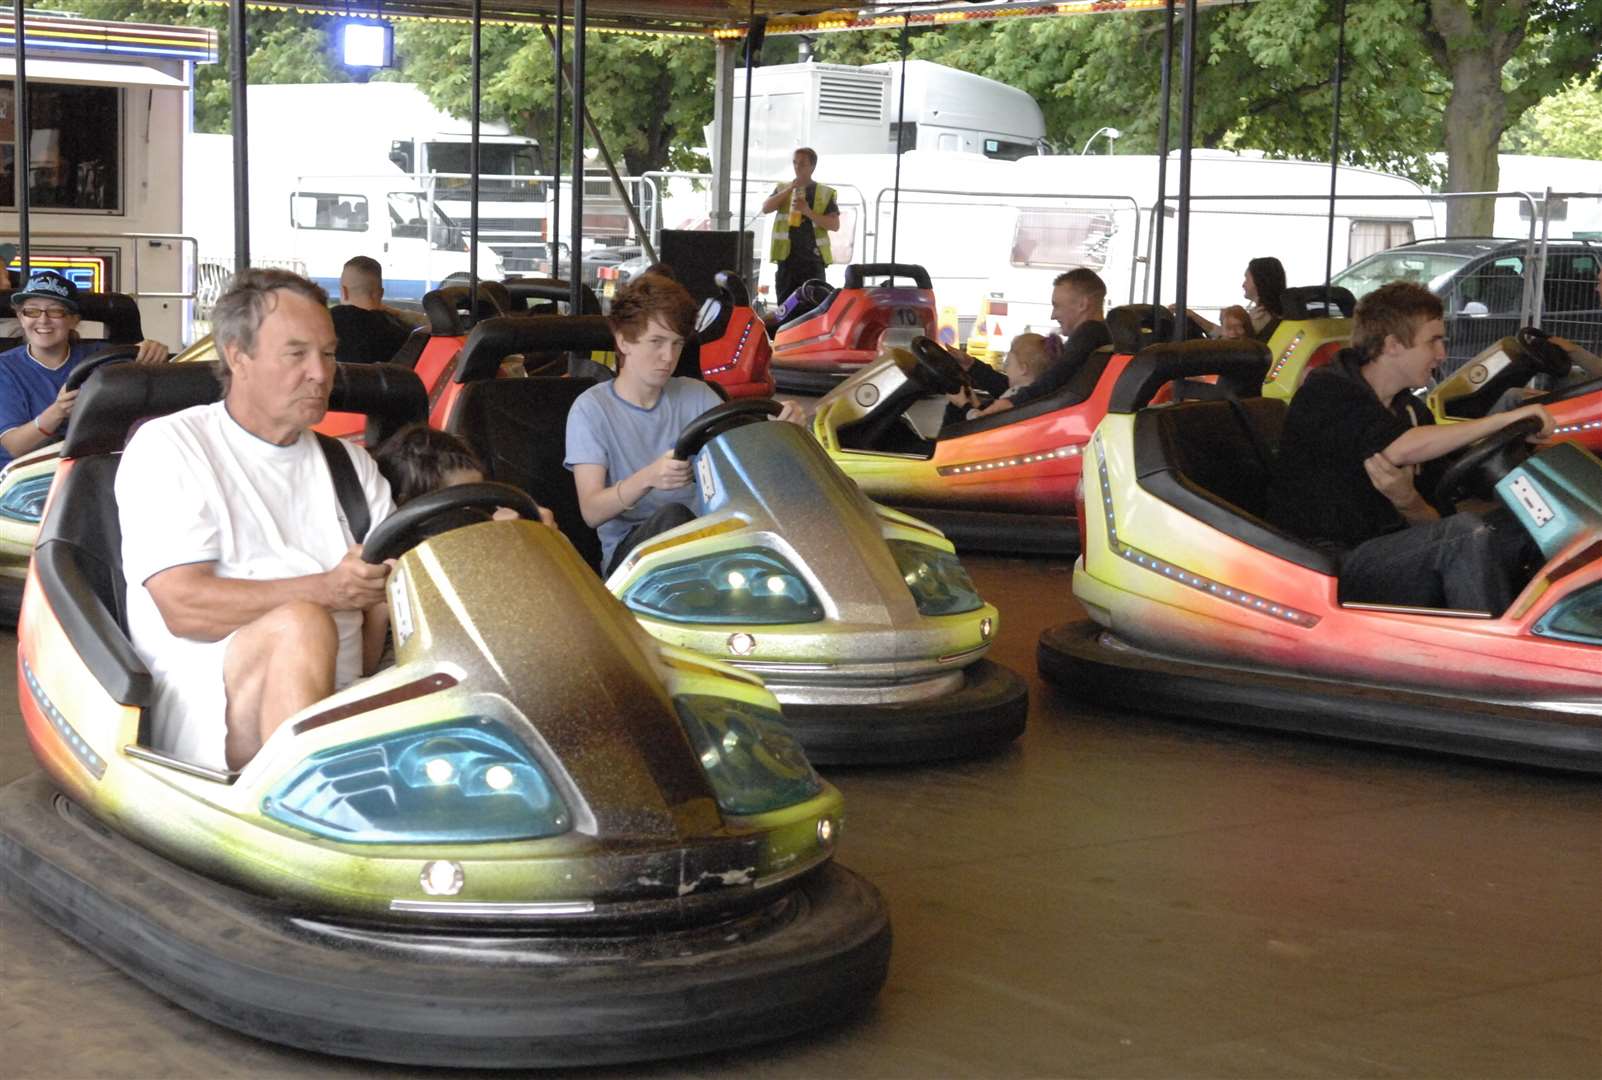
[(1467, 562)]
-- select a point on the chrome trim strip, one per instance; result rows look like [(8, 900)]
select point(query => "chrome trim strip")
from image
[(1403, 609), (786, 875), (966, 654), (155, 757), (489, 908)]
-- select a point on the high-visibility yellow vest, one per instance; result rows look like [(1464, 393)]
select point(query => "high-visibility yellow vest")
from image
[(822, 195)]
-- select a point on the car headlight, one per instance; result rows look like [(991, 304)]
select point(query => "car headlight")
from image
[(26, 498), (754, 763), (1575, 618), (939, 584), (749, 586), (467, 781)]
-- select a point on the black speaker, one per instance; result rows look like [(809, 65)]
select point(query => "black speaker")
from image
[(695, 256)]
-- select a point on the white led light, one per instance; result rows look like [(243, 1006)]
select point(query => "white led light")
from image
[(986, 626), (736, 579), (439, 771), (741, 644), (775, 584), (498, 777), (825, 831), (442, 877)]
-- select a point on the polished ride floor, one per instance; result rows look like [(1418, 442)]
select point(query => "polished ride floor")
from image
[(1117, 895)]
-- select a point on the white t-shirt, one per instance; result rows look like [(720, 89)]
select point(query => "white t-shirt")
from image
[(195, 487)]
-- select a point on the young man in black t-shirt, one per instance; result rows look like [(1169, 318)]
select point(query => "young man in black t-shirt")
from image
[(368, 332), (1349, 462)]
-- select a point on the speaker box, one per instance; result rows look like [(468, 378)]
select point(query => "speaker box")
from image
[(695, 256)]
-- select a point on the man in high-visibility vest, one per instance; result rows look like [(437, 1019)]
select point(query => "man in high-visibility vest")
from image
[(804, 214)]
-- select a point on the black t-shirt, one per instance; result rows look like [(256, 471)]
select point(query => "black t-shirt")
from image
[(803, 241), (1086, 339), (1318, 489), (367, 337)]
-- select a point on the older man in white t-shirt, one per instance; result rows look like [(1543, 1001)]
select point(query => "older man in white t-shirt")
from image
[(247, 596)]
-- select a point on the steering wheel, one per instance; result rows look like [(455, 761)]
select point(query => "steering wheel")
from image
[(407, 527), (937, 370), (1549, 358), (110, 354), (1483, 462), (720, 418)]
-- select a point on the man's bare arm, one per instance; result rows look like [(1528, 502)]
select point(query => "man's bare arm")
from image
[(195, 603)]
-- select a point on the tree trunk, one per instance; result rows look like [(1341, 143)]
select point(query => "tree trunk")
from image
[(1474, 122)]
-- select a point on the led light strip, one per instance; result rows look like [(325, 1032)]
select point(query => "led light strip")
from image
[(738, 349), (1285, 356), (1570, 429), (1010, 462), (1238, 597), (86, 756)]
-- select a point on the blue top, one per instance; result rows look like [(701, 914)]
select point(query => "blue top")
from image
[(27, 387), (603, 429)]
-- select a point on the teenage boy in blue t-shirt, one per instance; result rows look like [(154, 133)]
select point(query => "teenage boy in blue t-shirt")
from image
[(620, 434), (33, 404)]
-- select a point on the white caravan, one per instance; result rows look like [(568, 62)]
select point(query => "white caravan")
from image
[(1576, 211)]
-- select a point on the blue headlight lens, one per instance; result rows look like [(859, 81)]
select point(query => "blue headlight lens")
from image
[(26, 499), (939, 584), (750, 586), (1577, 618), (754, 763), (466, 781)]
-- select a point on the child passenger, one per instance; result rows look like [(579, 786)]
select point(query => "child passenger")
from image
[(1026, 361), (1234, 323), (418, 459)]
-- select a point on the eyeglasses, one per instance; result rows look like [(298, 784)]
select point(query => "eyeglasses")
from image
[(43, 313)]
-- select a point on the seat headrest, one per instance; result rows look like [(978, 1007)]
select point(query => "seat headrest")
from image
[(445, 306), (117, 398), (1317, 302), (1240, 366), (493, 340), (118, 312), (523, 290)]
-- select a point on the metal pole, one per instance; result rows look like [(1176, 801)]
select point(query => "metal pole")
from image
[(1187, 111), (473, 164), (1335, 145), (743, 257), (575, 295), (236, 73), (901, 119), (24, 174), (554, 222), (722, 133), (1163, 111)]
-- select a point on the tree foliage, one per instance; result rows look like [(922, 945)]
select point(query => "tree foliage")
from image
[(1567, 124)]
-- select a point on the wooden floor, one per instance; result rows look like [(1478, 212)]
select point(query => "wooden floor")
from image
[(1115, 896)]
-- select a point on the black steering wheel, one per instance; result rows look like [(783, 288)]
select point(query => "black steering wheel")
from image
[(937, 369), (110, 354), (1549, 358), (408, 526), (720, 418), (1479, 465)]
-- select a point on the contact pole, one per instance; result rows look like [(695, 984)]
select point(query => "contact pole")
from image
[(236, 74), (743, 257), (1187, 117), (1335, 146), (20, 131), (553, 223), (473, 161), (580, 20), (1163, 112), (901, 119)]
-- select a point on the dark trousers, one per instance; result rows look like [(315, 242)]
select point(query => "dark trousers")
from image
[(1467, 562), (666, 517), (792, 272)]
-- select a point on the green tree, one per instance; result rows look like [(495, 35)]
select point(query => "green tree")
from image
[(1567, 124), (650, 96), (285, 47)]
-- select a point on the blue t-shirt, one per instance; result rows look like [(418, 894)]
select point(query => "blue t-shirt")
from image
[(603, 429), (27, 387)]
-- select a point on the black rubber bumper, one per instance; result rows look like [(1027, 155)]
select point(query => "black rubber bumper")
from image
[(814, 380), (1030, 534), (987, 713), (815, 954), (1088, 663), (10, 600)]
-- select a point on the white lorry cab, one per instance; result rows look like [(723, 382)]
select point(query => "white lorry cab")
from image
[(946, 108), (109, 104)]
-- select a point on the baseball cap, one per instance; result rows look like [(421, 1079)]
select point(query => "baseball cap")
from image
[(48, 285)]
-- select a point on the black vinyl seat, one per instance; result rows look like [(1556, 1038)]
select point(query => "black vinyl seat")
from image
[(518, 429), (1074, 392), (1211, 460)]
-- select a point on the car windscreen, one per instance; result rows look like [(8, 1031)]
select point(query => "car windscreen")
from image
[(1427, 268)]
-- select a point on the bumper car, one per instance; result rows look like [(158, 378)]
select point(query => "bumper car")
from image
[(1316, 325), (735, 354), (1474, 389), (1002, 483), (858, 618), (831, 333), (1199, 608), (506, 850)]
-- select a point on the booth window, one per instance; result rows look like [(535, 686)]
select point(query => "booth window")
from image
[(1062, 237), (74, 147), (328, 210)]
